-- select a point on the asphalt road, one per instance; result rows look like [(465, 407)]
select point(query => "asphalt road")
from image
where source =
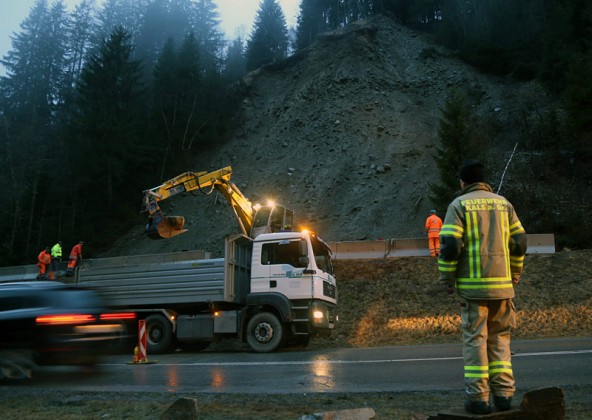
[(541, 363)]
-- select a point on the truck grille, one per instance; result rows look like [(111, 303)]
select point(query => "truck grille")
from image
[(329, 289)]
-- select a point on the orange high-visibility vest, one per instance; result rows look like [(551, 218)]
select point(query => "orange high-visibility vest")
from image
[(433, 226), (76, 252), (44, 257)]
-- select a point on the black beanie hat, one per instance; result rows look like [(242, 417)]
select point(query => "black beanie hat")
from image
[(471, 172)]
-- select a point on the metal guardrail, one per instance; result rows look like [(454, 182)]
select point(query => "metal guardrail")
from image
[(543, 243), (29, 272), (418, 247)]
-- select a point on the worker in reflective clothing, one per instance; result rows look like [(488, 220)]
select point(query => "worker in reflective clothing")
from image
[(433, 225), (75, 256), (482, 253), (56, 259), (43, 261)]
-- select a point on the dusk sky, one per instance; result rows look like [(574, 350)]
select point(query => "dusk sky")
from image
[(233, 15)]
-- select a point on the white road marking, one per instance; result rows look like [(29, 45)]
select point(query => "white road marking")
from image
[(350, 362)]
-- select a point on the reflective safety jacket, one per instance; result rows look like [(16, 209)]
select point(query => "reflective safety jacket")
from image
[(76, 253), (482, 244), (56, 251), (433, 225), (44, 257)]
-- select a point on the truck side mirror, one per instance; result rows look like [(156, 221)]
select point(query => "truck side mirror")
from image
[(303, 261)]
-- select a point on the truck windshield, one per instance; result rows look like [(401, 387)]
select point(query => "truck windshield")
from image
[(285, 252), (322, 255)]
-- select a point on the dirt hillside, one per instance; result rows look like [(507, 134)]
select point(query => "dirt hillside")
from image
[(398, 301), (342, 133)]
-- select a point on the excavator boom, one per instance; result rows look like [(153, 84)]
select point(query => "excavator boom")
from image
[(252, 220)]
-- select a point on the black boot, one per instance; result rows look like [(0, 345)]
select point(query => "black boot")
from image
[(477, 407), (502, 403)]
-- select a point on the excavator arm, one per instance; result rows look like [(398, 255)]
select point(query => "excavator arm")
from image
[(252, 220)]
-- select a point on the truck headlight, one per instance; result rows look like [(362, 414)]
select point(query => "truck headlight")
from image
[(317, 315)]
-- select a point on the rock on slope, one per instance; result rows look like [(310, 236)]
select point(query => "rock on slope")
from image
[(343, 133)]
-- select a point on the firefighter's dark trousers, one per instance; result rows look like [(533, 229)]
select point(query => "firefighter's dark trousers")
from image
[(486, 326)]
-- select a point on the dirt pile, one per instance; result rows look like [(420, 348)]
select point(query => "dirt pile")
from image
[(343, 133)]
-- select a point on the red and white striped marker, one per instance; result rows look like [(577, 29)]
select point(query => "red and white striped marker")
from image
[(142, 357)]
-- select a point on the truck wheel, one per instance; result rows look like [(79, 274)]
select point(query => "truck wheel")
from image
[(264, 332), (159, 334)]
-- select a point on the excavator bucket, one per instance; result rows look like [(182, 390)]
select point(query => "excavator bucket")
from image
[(165, 227)]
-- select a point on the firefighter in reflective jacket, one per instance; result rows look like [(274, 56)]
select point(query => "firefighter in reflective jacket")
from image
[(482, 253), (433, 225), (75, 256), (43, 260)]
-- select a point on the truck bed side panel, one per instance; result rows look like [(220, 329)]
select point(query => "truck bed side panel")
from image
[(158, 284)]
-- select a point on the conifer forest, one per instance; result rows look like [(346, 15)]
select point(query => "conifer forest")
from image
[(102, 101)]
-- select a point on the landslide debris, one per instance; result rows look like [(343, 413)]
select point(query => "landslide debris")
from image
[(342, 133)]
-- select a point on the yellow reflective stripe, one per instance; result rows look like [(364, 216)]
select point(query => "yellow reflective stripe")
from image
[(484, 283), (517, 261), (451, 230), (516, 228), (500, 363), (476, 375), (485, 280), (474, 244), (499, 370), (479, 286), (476, 372), (505, 227), (500, 366), (447, 266)]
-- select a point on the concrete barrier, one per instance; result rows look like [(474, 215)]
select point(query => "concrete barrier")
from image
[(543, 243)]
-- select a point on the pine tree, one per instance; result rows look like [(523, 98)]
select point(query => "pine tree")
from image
[(269, 38), (31, 98), (108, 148), (80, 32), (205, 26), (235, 65), (457, 144), (127, 14), (310, 23), (161, 20)]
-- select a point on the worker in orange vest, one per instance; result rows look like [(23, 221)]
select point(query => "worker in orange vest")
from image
[(75, 256), (43, 260), (433, 225)]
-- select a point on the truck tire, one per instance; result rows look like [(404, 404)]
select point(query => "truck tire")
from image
[(265, 332), (159, 334)]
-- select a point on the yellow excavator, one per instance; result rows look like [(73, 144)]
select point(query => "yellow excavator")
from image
[(253, 219)]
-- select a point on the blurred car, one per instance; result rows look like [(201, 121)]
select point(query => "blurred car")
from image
[(48, 322)]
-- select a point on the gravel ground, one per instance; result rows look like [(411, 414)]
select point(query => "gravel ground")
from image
[(386, 405)]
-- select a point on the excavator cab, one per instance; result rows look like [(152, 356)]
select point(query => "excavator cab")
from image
[(269, 219)]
